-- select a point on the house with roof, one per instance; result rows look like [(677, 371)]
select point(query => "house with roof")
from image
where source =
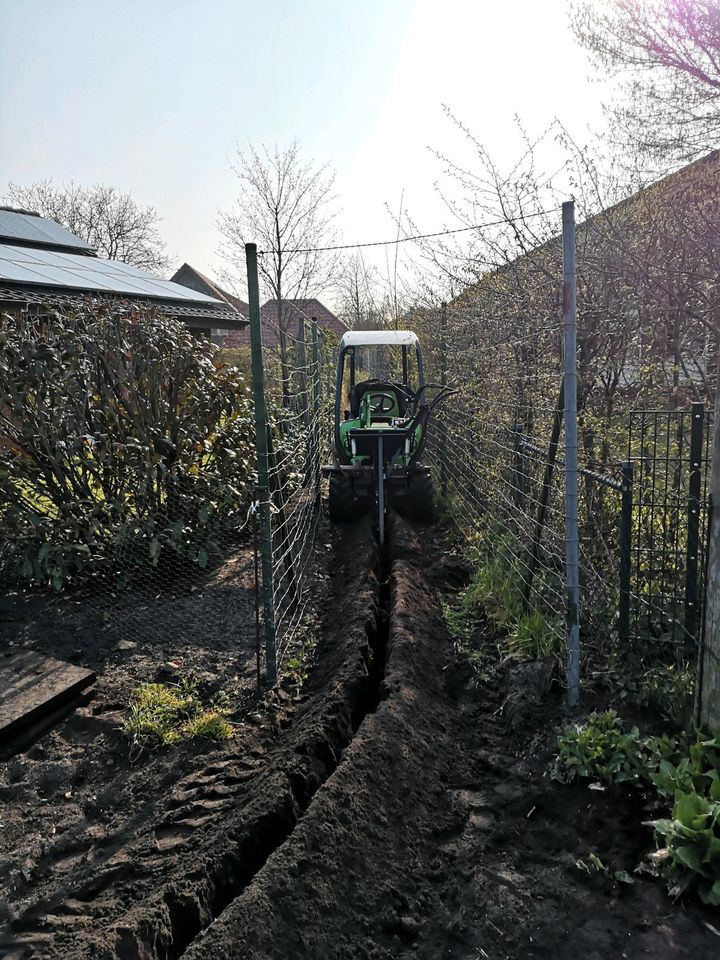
[(292, 312), (188, 276), (44, 265)]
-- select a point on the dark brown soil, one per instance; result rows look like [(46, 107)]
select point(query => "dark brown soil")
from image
[(204, 624), (399, 807)]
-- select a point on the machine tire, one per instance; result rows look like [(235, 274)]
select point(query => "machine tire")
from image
[(417, 503), (341, 501)]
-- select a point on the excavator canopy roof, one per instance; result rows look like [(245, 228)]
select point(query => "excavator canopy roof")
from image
[(371, 338)]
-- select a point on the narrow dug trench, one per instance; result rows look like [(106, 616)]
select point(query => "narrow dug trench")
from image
[(147, 889), (337, 888), (399, 810), (241, 865)]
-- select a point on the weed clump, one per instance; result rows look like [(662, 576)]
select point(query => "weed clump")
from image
[(162, 714), (498, 589), (209, 724)]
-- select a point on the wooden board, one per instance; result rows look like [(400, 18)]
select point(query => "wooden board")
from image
[(33, 686)]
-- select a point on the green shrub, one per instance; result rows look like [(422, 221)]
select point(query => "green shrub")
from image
[(600, 749), (122, 444), (686, 774), (664, 687), (236, 357)]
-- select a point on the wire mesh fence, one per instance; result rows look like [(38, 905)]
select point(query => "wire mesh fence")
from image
[(128, 481), (499, 466), (495, 460), (300, 385)]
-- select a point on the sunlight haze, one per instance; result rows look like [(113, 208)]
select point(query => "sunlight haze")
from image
[(155, 97)]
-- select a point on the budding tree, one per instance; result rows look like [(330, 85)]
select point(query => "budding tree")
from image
[(286, 206), (112, 222), (666, 56)]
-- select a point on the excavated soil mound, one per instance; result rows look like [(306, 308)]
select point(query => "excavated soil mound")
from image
[(401, 807), (440, 835)]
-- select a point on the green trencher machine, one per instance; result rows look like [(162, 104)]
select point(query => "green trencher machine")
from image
[(380, 438)]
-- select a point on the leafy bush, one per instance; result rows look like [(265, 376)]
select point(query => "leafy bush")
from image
[(122, 443), (666, 688), (236, 357), (602, 750), (687, 774)]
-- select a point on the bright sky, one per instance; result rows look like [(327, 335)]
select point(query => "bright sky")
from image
[(152, 96)]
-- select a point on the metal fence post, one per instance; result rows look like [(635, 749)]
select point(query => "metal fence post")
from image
[(544, 495), (572, 558), (316, 404), (443, 382), (302, 384), (625, 551), (709, 661), (693, 523), (261, 448), (518, 491)]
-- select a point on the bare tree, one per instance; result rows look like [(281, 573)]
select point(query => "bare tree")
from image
[(286, 206), (111, 221), (666, 55), (362, 301)]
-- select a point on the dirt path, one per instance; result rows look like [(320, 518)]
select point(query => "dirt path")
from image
[(397, 809)]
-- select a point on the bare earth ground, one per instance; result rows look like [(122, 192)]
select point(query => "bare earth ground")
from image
[(394, 808)]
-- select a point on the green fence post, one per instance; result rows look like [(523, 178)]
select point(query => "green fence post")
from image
[(302, 384), (261, 448), (625, 551)]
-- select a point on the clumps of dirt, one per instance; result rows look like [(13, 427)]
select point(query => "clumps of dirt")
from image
[(141, 866), (441, 835), (406, 811), (528, 685)]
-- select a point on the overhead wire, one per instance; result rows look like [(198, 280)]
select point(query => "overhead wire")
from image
[(418, 236)]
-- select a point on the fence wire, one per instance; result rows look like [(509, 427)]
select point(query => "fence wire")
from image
[(497, 456), (299, 386)]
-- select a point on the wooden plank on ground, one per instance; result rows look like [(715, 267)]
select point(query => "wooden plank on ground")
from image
[(32, 686)]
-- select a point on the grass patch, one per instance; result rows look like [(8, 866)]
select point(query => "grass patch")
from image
[(496, 590), (209, 724), (534, 636), (162, 714)]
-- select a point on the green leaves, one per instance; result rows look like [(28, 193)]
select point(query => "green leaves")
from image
[(123, 443), (686, 773)]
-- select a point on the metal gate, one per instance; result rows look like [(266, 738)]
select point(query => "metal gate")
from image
[(668, 472)]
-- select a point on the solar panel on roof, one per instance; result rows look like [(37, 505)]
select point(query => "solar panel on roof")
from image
[(52, 268), (31, 229)]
